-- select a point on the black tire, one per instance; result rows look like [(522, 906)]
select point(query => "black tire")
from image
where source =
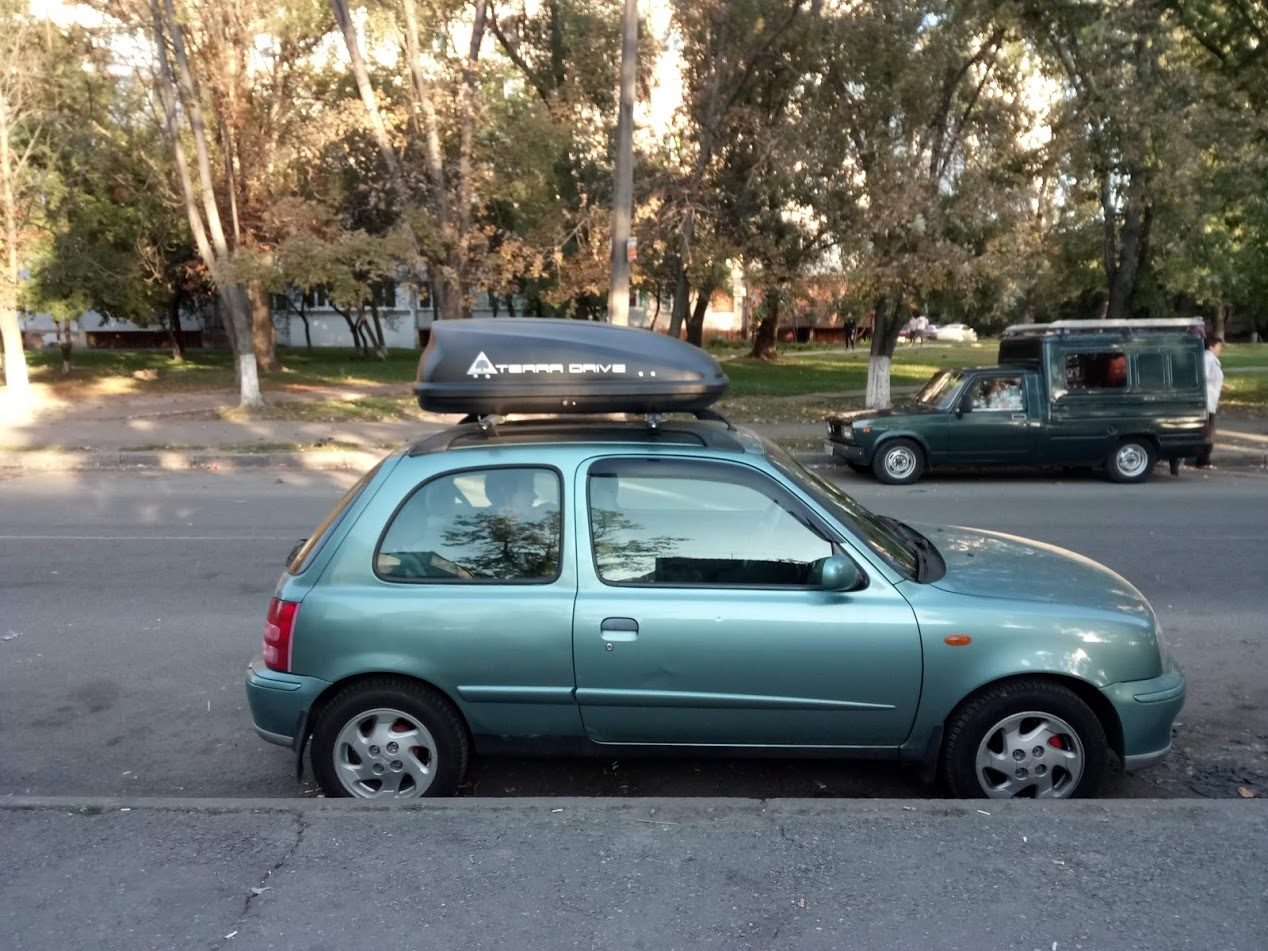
[(899, 462), (434, 767), (860, 468), (1132, 460), (1032, 704)]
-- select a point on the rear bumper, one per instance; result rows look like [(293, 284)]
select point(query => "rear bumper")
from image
[(1147, 710), (280, 702)]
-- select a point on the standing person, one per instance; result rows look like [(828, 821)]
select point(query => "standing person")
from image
[(919, 328), (850, 324), (1214, 386)]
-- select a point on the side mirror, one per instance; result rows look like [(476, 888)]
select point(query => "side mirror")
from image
[(836, 573)]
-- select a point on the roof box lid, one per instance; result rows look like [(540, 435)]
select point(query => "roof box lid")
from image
[(498, 366)]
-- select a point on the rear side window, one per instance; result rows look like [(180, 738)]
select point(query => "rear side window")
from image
[(476, 526), (1184, 369), (1151, 370), (1095, 371), (313, 543)]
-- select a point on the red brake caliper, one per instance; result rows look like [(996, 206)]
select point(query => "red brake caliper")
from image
[(1057, 742)]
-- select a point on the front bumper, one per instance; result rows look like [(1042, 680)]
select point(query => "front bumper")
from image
[(280, 702), (846, 451), (1147, 710)]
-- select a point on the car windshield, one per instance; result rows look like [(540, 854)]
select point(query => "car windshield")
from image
[(881, 537), (941, 391)]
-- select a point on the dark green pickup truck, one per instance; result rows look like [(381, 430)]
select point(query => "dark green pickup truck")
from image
[(1115, 394)]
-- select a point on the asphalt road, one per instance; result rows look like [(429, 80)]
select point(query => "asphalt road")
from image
[(130, 603)]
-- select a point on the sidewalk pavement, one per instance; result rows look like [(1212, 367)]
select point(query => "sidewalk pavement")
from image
[(184, 431), (546, 874)]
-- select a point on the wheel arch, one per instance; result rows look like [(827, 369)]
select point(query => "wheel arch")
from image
[(326, 696), (1089, 694)]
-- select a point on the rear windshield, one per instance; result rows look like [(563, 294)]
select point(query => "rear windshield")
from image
[(313, 543)]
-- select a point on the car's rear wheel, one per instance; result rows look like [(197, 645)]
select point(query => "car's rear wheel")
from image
[(899, 462), (1132, 460), (389, 738), (1025, 739)]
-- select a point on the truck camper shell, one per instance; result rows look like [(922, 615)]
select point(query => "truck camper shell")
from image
[(516, 365)]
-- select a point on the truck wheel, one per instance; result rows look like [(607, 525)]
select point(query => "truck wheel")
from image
[(1132, 460), (1024, 739), (899, 462)]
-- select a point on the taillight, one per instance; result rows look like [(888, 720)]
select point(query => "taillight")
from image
[(277, 635)]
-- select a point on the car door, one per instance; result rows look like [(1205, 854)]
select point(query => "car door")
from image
[(995, 422), (696, 622)]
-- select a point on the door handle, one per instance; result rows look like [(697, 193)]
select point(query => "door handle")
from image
[(619, 629)]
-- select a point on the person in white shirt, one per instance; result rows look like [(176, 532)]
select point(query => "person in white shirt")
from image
[(1214, 386)]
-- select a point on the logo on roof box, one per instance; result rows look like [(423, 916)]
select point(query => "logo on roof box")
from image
[(483, 366)]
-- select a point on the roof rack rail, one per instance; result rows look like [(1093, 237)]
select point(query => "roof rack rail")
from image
[(1194, 324)]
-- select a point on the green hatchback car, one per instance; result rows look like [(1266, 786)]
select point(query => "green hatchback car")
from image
[(584, 584)]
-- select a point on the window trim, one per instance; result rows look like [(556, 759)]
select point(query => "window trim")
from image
[(472, 582), (750, 476)]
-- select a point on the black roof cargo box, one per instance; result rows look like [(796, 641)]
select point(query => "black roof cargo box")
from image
[(498, 366)]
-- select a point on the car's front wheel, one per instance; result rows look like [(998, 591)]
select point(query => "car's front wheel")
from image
[(389, 738), (1030, 739), (899, 462)]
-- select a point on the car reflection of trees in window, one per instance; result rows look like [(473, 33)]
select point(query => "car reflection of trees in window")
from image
[(505, 546), (621, 552)]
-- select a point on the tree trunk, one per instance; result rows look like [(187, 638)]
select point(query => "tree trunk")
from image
[(174, 326), (467, 95), (380, 344), (767, 328), (885, 328), (695, 324), (263, 333), (66, 344), (209, 237), (877, 380), (1123, 277), (682, 293), (15, 373), (445, 296), (510, 305)]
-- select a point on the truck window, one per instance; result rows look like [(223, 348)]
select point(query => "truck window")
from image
[(1151, 370), (1095, 371), (1184, 369)]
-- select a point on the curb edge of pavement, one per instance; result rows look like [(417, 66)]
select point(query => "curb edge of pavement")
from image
[(177, 460), (705, 808), (356, 459)]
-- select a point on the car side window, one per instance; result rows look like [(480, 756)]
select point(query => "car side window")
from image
[(997, 393), (1095, 371), (476, 526), (679, 527)]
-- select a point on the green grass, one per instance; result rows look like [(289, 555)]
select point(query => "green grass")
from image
[(113, 370), (368, 408), (834, 370)]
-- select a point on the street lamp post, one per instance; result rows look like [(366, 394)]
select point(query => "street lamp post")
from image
[(623, 202)]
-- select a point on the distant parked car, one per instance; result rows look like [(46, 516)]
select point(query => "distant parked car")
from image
[(957, 332)]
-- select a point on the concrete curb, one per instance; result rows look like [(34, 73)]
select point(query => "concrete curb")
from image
[(46, 460), (177, 460), (1254, 810)]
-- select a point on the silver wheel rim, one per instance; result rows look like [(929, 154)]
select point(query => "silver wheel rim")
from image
[(1031, 755), (385, 754), (1131, 459), (900, 462)]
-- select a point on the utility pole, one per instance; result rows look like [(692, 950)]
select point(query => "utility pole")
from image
[(623, 205)]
